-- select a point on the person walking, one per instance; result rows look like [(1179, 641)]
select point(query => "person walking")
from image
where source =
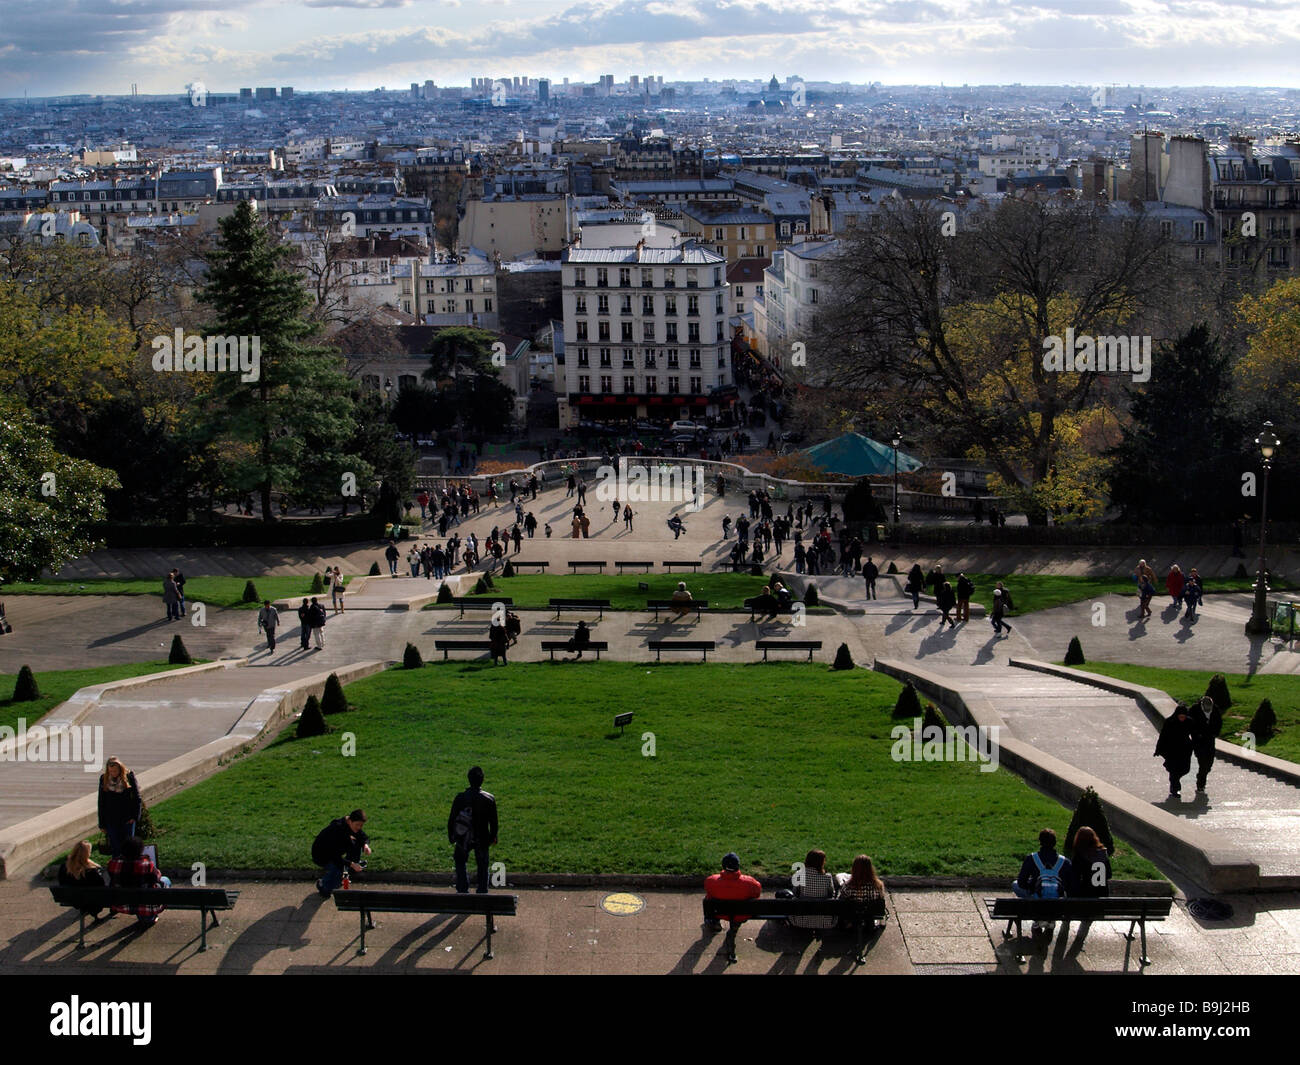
[(582, 492), (870, 571), (1175, 748), (392, 555), (119, 804), (1207, 723), (999, 613), (268, 620), (336, 590), (498, 639), (1174, 584), (965, 589), (304, 622), (472, 828), (1192, 593), (585, 523), (915, 583), (946, 599), (517, 537), (318, 619), (171, 596), (530, 523), (627, 517)]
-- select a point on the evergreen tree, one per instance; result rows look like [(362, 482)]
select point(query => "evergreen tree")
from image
[(25, 688), (312, 722), (1262, 725), (1074, 653), (1089, 812), (908, 705), (333, 701), (250, 593), (843, 658), (445, 593), (412, 659), (179, 656)]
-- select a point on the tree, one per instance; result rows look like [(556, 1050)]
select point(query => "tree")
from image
[(286, 430), (48, 501), (459, 348)]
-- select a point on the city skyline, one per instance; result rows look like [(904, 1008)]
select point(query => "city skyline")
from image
[(103, 47)]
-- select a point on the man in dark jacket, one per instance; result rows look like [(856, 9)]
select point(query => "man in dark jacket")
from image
[(965, 589), (1043, 874), (870, 572), (1175, 747), (340, 843), (304, 620), (472, 826), (1207, 722)]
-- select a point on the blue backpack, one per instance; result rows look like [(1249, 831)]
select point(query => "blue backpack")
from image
[(1049, 880)]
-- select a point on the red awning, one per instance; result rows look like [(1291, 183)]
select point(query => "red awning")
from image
[(700, 401)]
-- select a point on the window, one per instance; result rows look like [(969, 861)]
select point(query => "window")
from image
[(469, 306), (469, 284), (579, 277), (670, 306), (602, 304), (672, 358), (629, 385), (692, 278), (693, 306), (602, 277), (674, 384), (718, 234), (719, 331), (625, 305), (670, 279), (744, 232), (583, 358), (697, 385), (812, 295), (650, 362), (1166, 230), (693, 333), (581, 333), (695, 358), (487, 305), (740, 308), (605, 361), (647, 279), (431, 305), (785, 229), (580, 305), (717, 304), (717, 277), (740, 291), (647, 305), (652, 384), (627, 359), (584, 383), (625, 277), (648, 331), (670, 332), (602, 330), (606, 383)]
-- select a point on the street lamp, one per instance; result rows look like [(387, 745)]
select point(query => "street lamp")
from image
[(896, 440), (1259, 625)]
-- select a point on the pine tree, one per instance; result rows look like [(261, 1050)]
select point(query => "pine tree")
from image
[(25, 688), (374, 569), (480, 588), (810, 596), (1089, 812), (1218, 691), (1263, 723), (932, 717), (312, 722), (179, 656), (908, 706), (411, 658), (1074, 653), (333, 701), (317, 584), (508, 570), (843, 658), (445, 594), (250, 593)]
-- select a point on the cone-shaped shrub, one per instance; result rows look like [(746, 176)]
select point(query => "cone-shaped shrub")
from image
[(933, 716), (481, 588), (1074, 653), (374, 569), (179, 656), (487, 579), (1089, 812), (317, 584), (1217, 690), (1264, 723), (810, 596), (250, 593), (144, 827), (892, 568), (333, 701), (445, 594), (909, 703), (411, 658), (1241, 573), (25, 688), (843, 659), (508, 570), (312, 722)]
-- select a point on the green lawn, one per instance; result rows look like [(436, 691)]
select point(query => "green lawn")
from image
[(1039, 591), (57, 685), (721, 590), (213, 591), (1282, 689), (767, 760)]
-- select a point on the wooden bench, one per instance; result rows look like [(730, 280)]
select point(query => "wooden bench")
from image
[(366, 902), (788, 645), (698, 605), (204, 899), (659, 646), (479, 602), (561, 605), (540, 565), (778, 609), (447, 646), (1137, 911), (563, 645), (864, 914), (695, 564), (620, 565), (573, 566)]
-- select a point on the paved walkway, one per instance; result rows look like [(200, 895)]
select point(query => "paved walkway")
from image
[(281, 927)]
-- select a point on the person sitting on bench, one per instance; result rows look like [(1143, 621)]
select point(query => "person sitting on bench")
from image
[(766, 604), (813, 882), (730, 884), (80, 870), (675, 523), (513, 626), (1043, 875), (681, 599), (135, 869), (783, 595), (581, 638)]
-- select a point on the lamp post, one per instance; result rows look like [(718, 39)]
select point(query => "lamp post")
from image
[(896, 439), (1259, 625)]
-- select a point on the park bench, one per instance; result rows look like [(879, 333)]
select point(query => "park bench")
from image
[(695, 564), (447, 646), (705, 646), (367, 902), (620, 565), (862, 914), (573, 566), (204, 899), (1137, 911), (561, 605), (519, 562), (479, 602), (779, 609), (698, 605), (563, 645), (788, 645)]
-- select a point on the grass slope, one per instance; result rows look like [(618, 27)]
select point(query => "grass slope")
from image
[(1042, 591), (766, 760), (57, 685)]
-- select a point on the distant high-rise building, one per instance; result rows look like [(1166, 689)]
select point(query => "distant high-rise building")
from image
[(606, 84), (286, 92), (245, 94), (415, 90), (544, 90), (266, 92), (430, 89), (634, 83)]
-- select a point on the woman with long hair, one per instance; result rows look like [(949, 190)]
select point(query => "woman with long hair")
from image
[(862, 883), (119, 804), (1089, 865), (80, 870), (814, 883)]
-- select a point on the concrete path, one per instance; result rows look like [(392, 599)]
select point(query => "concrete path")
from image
[(283, 927)]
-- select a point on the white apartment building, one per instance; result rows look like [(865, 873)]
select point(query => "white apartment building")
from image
[(794, 288), (645, 334)]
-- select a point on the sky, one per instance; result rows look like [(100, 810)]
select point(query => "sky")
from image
[(55, 47)]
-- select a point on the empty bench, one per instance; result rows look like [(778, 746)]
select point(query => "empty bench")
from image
[(788, 645), (540, 565), (205, 900), (447, 646), (705, 646), (480, 602), (367, 902), (1137, 911), (694, 563), (698, 605), (573, 566), (561, 605), (563, 645), (625, 563), (862, 914)]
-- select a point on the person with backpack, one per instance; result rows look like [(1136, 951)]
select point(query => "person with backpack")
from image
[(318, 618), (472, 827), (339, 846), (1043, 875)]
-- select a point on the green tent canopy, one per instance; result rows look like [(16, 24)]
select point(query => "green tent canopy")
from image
[(855, 455)]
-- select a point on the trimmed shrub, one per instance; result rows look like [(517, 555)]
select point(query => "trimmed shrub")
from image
[(1241, 571), (909, 703), (843, 659), (891, 568), (810, 596), (481, 588), (508, 570), (411, 658), (317, 584), (487, 579), (445, 594), (933, 716), (374, 569), (333, 701), (250, 593), (312, 722), (25, 688), (1217, 690), (1264, 723), (756, 571), (144, 826), (1089, 812), (178, 655), (1074, 653)]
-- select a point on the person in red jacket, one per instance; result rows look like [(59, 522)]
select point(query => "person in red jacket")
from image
[(730, 884)]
